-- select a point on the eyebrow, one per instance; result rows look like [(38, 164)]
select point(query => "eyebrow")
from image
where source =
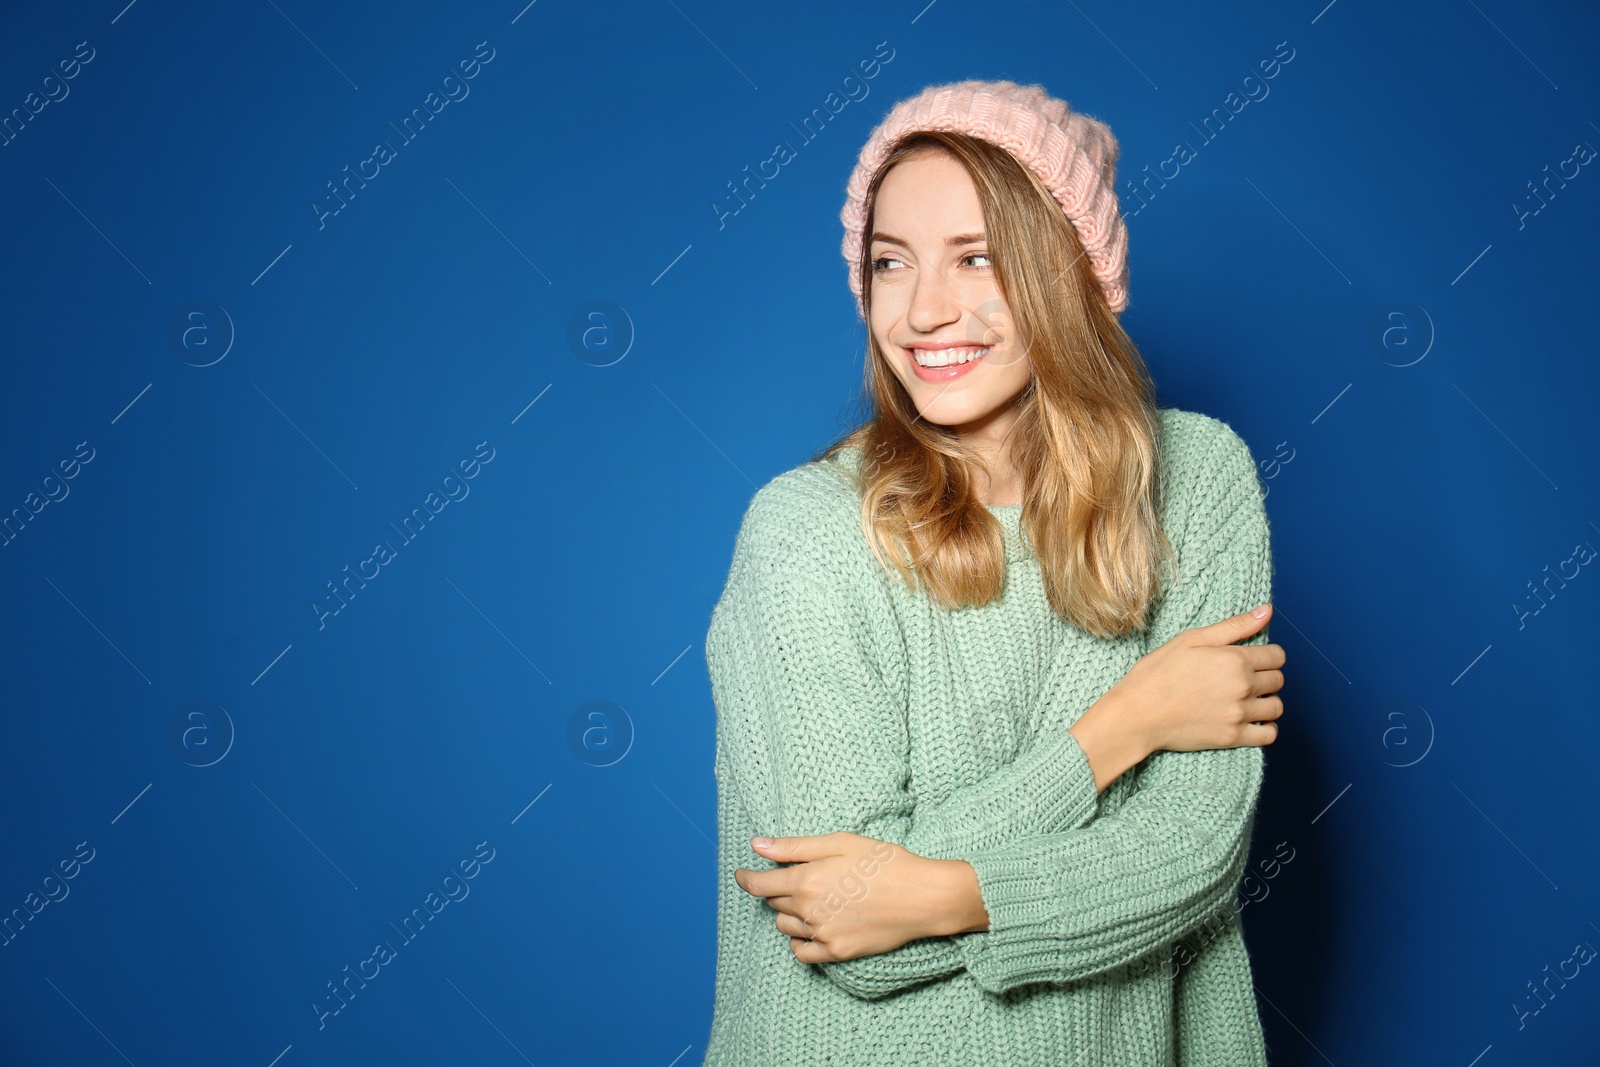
[(953, 241)]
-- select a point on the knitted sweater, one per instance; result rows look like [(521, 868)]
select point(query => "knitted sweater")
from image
[(847, 702)]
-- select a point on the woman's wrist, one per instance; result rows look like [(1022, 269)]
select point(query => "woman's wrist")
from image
[(963, 910), (1111, 739)]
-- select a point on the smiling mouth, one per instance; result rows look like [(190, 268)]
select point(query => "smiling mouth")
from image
[(948, 357)]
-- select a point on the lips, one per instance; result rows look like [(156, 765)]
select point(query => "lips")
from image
[(950, 370)]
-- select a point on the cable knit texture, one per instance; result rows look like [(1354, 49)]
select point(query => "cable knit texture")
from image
[(1074, 155), (846, 702)]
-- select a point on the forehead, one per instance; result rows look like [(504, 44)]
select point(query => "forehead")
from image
[(926, 198)]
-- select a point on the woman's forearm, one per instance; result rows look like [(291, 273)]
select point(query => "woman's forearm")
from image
[(1110, 740), (1112, 744)]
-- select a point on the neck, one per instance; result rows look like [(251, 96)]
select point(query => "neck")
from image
[(997, 479), (1002, 488)]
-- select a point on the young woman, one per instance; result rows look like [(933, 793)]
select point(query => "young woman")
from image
[(986, 671)]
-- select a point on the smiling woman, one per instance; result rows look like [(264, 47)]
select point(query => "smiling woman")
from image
[(928, 197), (991, 555)]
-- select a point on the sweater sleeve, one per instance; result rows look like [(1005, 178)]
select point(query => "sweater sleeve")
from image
[(1072, 905), (813, 738)]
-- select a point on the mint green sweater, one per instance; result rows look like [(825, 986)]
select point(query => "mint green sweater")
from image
[(846, 702)]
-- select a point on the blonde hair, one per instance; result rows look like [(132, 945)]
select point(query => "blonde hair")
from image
[(1086, 441)]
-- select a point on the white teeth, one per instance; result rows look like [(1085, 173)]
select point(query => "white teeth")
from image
[(944, 357)]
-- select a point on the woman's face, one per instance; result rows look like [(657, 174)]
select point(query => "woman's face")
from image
[(937, 312)]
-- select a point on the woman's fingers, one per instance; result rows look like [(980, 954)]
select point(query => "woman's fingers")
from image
[(1264, 708), (1264, 657), (1262, 729), (1267, 682), (788, 924), (1227, 631), (1261, 734)]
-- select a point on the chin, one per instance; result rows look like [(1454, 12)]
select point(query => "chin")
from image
[(939, 415)]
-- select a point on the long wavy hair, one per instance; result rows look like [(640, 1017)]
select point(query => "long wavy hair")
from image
[(1086, 441)]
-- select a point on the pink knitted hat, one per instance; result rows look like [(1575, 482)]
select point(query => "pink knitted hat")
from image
[(1074, 155)]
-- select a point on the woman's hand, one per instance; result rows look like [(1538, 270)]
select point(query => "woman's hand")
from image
[(849, 895), (1197, 691), (1200, 690)]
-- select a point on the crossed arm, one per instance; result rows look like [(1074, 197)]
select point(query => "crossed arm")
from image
[(1067, 895)]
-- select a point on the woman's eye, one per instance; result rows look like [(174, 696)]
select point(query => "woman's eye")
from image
[(881, 265)]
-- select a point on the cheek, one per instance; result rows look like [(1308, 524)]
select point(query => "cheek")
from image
[(1019, 373), (883, 314), (881, 329), (900, 367), (1011, 360)]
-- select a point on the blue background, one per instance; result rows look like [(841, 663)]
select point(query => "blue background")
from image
[(1352, 274)]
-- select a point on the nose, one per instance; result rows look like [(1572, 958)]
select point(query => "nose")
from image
[(933, 301)]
